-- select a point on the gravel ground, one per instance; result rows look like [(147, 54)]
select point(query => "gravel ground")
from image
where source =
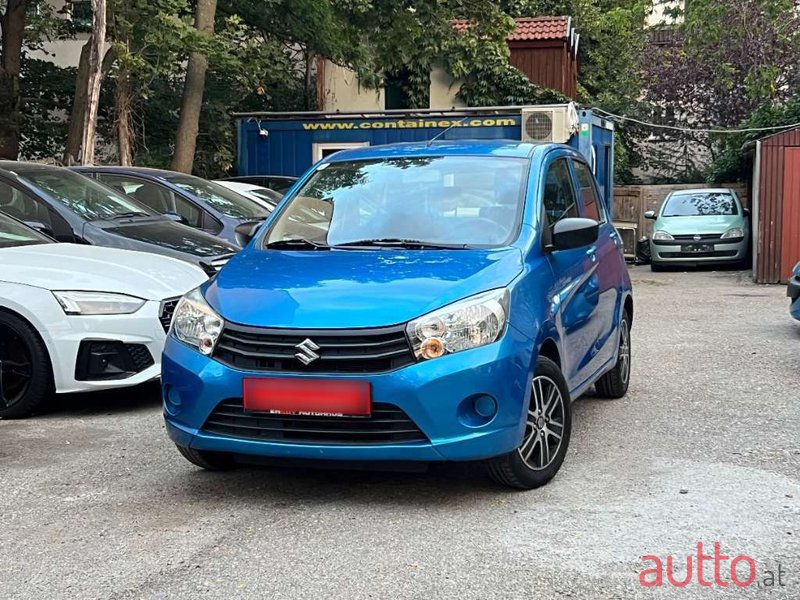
[(96, 503)]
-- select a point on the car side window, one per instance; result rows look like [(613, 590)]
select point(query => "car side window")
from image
[(145, 192), (592, 208), (22, 206), (559, 197)]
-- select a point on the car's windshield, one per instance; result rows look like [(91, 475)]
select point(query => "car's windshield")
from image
[(13, 234), (442, 200), (224, 200), (700, 204), (84, 196)]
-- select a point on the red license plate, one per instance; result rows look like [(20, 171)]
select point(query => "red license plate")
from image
[(313, 397)]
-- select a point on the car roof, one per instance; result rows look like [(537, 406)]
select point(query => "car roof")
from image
[(703, 191), (19, 166), (500, 148), (131, 170)]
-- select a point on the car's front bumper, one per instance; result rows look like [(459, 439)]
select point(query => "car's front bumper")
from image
[(672, 252), (793, 291), (434, 395), (141, 333)]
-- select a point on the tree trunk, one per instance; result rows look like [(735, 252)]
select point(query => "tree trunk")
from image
[(94, 80), (72, 152), (12, 28), (188, 124), (123, 99), (75, 134)]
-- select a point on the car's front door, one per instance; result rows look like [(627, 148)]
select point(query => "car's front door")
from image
[(607, 262), (576, 289)]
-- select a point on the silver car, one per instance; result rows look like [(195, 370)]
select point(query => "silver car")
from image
[(698, 227)]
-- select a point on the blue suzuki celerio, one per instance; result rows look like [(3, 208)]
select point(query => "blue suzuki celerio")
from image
[(416, 302)]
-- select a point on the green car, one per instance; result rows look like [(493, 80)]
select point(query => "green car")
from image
[(697, 227)]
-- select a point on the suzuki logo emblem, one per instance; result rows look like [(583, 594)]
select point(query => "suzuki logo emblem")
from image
[(306, 352), (697, 238)]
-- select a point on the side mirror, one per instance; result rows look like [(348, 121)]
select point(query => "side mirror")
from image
[(40, 227), (650, 214), (246, 231), (574, 233), (177, 218), (746, 212)]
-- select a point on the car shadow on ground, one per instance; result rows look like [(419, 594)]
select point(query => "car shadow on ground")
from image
[(140, 397)]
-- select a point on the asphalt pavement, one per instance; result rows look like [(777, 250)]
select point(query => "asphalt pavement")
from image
[(95, 502)]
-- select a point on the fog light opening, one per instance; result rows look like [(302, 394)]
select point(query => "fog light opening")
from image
[(485, 406)]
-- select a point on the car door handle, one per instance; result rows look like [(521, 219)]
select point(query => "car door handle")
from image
[(592, 254)]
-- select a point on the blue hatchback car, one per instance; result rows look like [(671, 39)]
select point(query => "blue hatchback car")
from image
[(416, 302)]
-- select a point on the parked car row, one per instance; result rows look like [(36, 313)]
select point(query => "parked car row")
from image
[(92, 264)]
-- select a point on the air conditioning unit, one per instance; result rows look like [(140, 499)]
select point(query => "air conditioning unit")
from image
[(549, 123)]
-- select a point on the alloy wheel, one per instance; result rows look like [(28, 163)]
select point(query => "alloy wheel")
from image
[(624, 351), (16, 367), (544, 427)]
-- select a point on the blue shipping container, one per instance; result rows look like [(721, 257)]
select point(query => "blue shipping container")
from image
[(290, 143)]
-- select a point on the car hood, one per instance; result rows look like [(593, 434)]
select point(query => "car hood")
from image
[(92, 268), (690, 225), (170, 235), (333, 289)]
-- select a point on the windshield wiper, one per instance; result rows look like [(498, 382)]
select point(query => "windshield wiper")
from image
[(296, 243), (132, 213), (401, 243)]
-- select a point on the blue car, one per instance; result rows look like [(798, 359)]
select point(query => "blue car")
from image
[(197, 202), (794, 292), (414, 302)]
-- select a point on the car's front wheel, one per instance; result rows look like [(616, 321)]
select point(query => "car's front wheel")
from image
[(548, 426), (211, 461), (25, 373)]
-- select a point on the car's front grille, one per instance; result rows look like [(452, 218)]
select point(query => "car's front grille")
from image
[(387, 424), (314, 351), (721, 254), (704, 237), (168, 307)]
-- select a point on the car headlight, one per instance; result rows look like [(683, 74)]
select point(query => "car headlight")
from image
[(469, 323), (195, 322), (97, 303), (662, 235), (736, 232)]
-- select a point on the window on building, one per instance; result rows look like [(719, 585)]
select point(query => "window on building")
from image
[(80, 12)]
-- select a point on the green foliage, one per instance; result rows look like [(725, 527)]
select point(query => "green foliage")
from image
[(733, 163), (47, 92)]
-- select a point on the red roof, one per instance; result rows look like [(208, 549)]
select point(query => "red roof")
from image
[(532, 28)]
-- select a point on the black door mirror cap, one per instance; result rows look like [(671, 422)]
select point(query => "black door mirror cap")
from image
[(650, 214), (177, 217), (574, 232), (246, 231)]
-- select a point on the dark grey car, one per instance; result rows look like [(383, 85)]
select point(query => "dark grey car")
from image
[(74, 208)]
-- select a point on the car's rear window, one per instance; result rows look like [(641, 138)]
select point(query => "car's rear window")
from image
[(700, 204), (445, 200)]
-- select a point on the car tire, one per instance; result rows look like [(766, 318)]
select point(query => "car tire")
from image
[(26, 377), (534, 464), (656, 268), (614, 384), (210, 461)]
